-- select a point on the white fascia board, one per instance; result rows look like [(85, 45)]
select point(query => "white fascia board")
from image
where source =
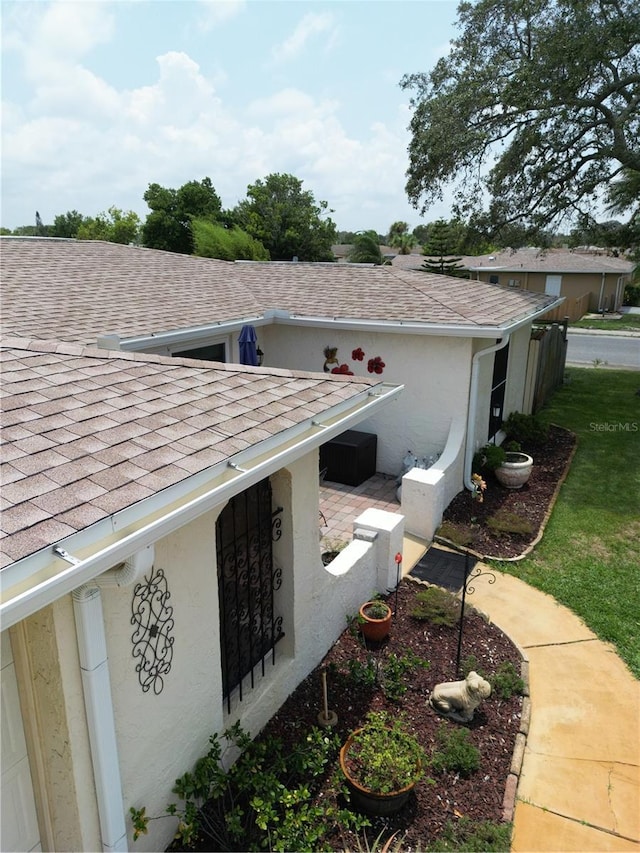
[(41, 578), (408, 327), (185, 336)]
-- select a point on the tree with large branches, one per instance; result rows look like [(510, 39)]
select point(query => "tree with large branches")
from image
[(536, 107)]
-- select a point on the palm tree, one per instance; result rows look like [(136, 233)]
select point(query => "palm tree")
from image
[(366, 249)]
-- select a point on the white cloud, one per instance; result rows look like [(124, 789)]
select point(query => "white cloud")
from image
[(311, 25), (216, 12)]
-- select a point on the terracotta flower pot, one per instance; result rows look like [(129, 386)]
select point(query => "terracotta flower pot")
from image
[(515, 470), (367, 801), (372, 627)]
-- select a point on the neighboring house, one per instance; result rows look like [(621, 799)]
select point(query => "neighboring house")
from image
[(589, 281), (137, 481)]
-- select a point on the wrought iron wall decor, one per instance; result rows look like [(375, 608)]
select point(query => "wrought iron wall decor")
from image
[(152, 640), (248, 581)]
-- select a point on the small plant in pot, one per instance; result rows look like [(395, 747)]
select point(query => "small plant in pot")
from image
[(375, 620), (382, 763)]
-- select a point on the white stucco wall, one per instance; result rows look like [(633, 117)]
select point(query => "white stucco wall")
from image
[(161, 736), (434, 370)]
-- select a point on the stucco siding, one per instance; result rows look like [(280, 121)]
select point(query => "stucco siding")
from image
[(160, 736), (434, 370)]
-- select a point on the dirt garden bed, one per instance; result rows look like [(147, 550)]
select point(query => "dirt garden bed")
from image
[(465, 522)]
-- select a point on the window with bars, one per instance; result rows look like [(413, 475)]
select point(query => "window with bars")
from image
[(248, 583)]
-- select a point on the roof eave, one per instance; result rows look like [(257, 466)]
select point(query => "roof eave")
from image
[(41, 578)]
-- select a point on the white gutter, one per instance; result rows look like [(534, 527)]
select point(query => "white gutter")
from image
[(41, 578), (279, 316), (473, 408)]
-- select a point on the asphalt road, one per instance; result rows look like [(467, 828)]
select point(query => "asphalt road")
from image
[(611, 350)]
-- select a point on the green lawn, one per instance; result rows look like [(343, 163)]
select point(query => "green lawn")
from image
[(626, 323), (589, 557)]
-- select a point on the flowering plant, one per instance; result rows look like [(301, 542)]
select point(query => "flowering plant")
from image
[(478, 487)]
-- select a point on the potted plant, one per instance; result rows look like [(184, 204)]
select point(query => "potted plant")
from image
[(375, 620), (382, 763), (515, 470)]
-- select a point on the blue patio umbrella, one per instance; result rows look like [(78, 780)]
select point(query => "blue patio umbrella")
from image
[(247, 343)]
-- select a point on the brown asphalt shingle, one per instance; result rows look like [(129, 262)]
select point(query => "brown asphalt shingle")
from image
[(73, 460), (79, 290)]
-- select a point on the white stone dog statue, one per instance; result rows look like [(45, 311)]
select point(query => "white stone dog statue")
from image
[(459, 699)]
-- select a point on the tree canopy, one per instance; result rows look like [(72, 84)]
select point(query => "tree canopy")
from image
[(365, 249), (114, 226), (214, 240), (168, 226), (287, 220), (537, 103)]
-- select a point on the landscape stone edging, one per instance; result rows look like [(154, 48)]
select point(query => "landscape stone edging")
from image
[(513, 779), (547, 515), (441, 540)]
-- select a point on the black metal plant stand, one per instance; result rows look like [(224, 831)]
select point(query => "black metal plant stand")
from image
[(468, 589)]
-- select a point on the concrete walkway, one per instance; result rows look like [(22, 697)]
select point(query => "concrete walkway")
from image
[(579, 787)]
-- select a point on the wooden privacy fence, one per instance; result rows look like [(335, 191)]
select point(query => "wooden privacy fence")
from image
[(545, 364), (573, 308)]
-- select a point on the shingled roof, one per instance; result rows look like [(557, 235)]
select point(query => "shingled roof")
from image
[(77, 291), (88, 432)]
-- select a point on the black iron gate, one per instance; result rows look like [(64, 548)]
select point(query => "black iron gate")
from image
[(247, 583)]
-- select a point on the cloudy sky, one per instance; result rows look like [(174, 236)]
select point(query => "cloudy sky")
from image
[(100, 99)]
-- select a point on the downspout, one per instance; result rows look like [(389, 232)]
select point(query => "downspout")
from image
[(96, 686), (601, 300), (473, 407)]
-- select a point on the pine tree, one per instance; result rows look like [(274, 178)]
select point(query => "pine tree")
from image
[(439, 251)]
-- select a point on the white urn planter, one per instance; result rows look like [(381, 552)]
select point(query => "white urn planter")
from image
[(515, 470)]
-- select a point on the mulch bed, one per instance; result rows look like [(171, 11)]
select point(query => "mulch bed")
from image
[(465, 520), (496, 723), (493, 729)]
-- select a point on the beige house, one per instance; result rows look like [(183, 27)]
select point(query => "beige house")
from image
[(589, 281), (140, 459)]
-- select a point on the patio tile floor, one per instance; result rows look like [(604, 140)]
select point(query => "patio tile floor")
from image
[(340, 505)]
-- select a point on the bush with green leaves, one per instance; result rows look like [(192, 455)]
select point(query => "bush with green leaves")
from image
[(529, 430), (488, 458), (264, 801), (390, 675), (454, 751), (505, 681), (437, 606)]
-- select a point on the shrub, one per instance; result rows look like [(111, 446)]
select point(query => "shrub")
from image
[(437, 606), (506, 681), (488, 458), (390, 676), (454, 752), (504, 522), (632, 295), (526, 429), (264, 801)]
